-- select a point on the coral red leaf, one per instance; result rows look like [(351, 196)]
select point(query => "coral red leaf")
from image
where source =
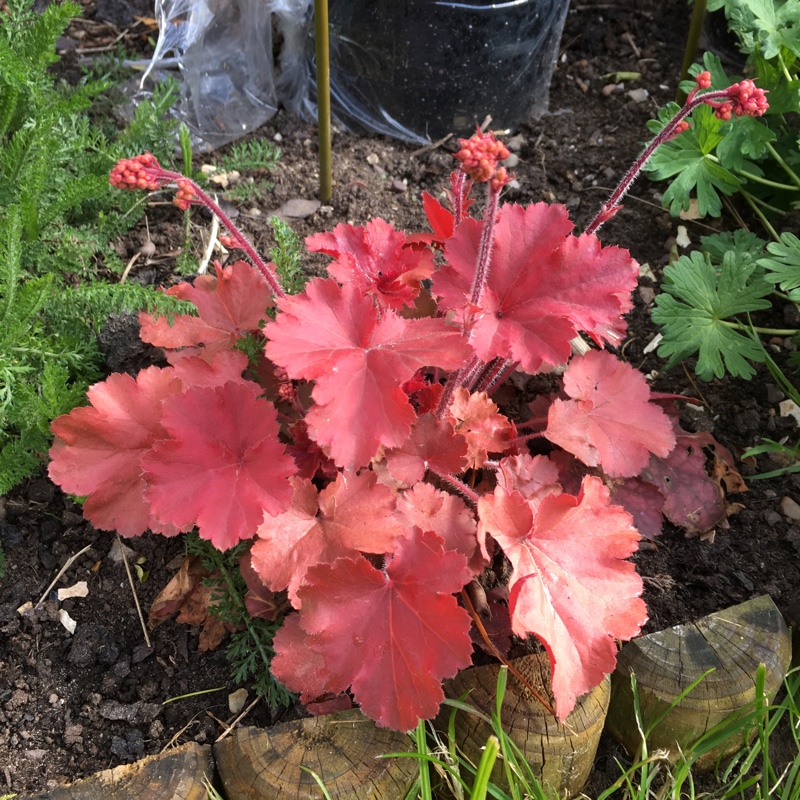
[(447, 515), (229, 305), (98, 449), (570, 586), (392, 635), (544, 285), (532, 476), (223, 467), (693, 500), (332, 335), (224, 366), (476, 418), (297, 665), (355, 514), (374, 258), (609, 421), (259, 600), (432, 444)]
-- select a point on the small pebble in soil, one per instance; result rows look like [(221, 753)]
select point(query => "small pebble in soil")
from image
[(790, 508)]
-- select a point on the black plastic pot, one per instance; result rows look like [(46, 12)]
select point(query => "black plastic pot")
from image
[(420, 69)]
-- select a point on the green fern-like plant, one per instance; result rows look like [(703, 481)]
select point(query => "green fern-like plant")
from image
[(58, 216)]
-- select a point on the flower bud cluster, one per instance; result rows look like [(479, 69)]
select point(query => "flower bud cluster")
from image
[(185, 194), (135, 173), (480, 156)]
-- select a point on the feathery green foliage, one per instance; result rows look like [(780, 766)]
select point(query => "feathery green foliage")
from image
[(58, 216), (250, 649)]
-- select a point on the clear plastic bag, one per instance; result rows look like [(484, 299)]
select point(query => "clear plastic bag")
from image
[(420, 69), (230, 83)]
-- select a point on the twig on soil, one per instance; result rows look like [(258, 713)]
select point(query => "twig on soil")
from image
[(129, 266), (133, 590), (212, 240), (432, 146), (236, 721), (179, 733), (70, 561)]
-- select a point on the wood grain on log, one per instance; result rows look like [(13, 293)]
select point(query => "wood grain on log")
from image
[(562, 755), (172, 775), (732, 642), (341, 748)]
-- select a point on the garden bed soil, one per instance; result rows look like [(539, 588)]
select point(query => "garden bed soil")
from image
[(73, 704)]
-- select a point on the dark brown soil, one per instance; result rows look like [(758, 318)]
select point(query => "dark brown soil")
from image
[(74, 704)]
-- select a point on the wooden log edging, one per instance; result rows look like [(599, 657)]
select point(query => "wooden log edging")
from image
[(259, 764), (732, 643), (343, 749), (562, 756)]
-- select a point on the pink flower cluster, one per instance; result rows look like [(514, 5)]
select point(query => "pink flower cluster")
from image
[(480, 156), (743, 99), (144, 172), (135, 173)]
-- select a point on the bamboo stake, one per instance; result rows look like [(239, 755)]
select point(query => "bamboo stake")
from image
[(323, 99)]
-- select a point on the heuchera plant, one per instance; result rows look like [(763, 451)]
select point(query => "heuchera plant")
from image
[(365, 455)]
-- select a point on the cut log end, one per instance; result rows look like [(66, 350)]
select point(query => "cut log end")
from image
[(561, 755), (343, 749), (732, 643)]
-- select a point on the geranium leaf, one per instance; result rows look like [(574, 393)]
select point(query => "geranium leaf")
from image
[(544, 285), (609, 421), (229, 305), (695, 306), (333, 335), (407, 635), (98, 450), (352, 514), (570, 586), (223, 466)]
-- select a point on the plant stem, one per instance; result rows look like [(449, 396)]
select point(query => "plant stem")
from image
[(666, 133), (757, 178), (786, 168), (760, 214), (692, 43), (485, 245), (461, 487), (165, 176), (765, 331)]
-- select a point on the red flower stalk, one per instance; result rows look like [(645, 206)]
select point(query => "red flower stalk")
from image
[(144, 172), (741, 99)]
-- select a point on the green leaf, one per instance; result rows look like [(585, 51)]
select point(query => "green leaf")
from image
[(766, 25), (686, 158), (694, 310), (746, 246), (784, 267), (744, 137)]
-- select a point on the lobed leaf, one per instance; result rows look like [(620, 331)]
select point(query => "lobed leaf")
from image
[(570, 585), (695, 310), (543, 286), (98, 450), (352, 514), (391, 635), (360, 360), (222, 467), (229, 305), (610, 420)]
